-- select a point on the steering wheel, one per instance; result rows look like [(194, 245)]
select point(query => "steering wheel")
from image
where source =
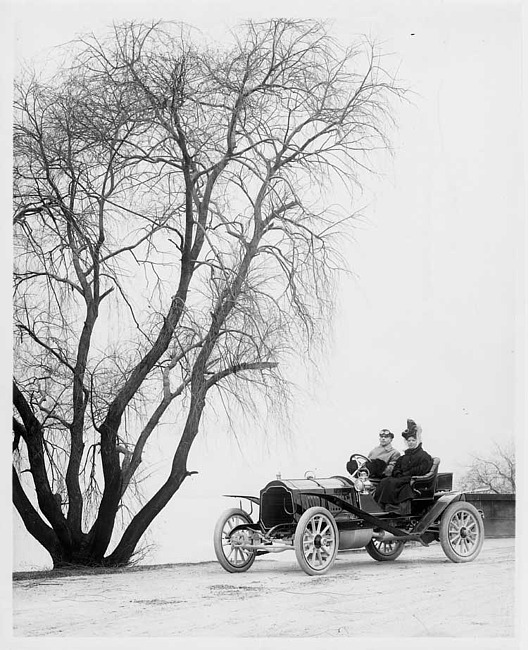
[(360, 460)]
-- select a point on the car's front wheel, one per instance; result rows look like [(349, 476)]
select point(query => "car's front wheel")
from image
[(229, 547), (316, 541), (461, 532), (384, 551)]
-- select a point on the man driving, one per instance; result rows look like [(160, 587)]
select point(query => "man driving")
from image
[(381, 459)]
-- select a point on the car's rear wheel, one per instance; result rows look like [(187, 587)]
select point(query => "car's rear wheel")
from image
[(316, 541), (384, 551), (461, 532), (229, 548)]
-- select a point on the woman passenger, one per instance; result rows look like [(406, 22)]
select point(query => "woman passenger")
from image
[(395, 489)]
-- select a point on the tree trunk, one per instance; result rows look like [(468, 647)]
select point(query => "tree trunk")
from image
[(135, 530), (139, 524), (32, 520)]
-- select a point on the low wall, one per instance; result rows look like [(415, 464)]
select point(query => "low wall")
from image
[(499, 513)]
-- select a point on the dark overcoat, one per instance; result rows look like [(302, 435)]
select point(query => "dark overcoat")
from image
[(397, 488)]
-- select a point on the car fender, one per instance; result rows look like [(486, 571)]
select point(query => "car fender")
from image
[(243, 496), (436, 510)]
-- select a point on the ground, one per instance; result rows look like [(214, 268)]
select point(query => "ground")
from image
[(421, 594)]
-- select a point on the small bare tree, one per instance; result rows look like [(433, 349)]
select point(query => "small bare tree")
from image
[(495, 473), (173, 242)]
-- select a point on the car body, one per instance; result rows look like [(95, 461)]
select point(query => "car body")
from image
[(318, 517)]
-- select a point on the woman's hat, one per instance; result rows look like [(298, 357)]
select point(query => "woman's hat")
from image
[(413, 430)]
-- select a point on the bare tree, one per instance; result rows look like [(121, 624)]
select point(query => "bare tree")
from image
[(494, 473), (174, 240)]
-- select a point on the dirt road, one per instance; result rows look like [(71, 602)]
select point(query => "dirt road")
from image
[(421, 594)]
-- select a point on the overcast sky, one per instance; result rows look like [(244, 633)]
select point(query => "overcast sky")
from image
[(430, 324)]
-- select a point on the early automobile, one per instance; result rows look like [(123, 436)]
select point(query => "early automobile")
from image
[(317, 517)]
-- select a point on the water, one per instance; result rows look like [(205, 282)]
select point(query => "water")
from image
[(182, 532)]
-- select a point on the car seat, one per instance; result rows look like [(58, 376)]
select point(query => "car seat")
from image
[(424, 486)]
